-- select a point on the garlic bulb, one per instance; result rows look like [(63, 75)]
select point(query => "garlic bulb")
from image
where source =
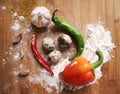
[(40, 17)]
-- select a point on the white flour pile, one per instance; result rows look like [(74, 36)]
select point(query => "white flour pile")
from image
[(98, 38)]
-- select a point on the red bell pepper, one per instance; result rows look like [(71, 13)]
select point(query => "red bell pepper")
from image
[(80, 71)]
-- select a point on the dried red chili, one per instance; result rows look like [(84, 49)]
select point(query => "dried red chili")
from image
[(38, 56)]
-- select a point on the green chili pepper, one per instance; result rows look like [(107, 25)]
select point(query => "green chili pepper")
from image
[(72, 30)]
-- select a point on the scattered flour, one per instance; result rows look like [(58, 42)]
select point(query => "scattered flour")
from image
[(21, 18), (17, 26), (17, 23), (27, 29), (3, 7), (14, 14), (17, 56), (98, 38), (4, 62), (5, 59)]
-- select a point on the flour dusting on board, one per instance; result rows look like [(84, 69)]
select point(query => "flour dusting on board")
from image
[(98, 38), (18, 21), (3, 7)]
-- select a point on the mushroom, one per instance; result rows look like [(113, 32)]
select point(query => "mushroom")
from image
[(40, 17)]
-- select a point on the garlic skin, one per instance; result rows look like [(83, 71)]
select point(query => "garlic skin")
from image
[(40, 17)]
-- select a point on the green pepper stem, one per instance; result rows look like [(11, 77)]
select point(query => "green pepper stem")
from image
[(54, 14), (99, 61)]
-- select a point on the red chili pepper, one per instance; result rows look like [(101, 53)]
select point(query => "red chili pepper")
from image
[(38, 56), (80, 72)]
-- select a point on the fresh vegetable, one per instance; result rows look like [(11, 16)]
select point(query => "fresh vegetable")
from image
[(72, 30), (40, 17), (38, 56), (80, 72)]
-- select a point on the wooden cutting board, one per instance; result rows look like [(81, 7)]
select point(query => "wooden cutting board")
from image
[(79, 13)]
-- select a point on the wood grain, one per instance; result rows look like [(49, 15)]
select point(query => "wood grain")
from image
[(79, 13)]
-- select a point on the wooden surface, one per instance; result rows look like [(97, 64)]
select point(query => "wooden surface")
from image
[(79, 13)]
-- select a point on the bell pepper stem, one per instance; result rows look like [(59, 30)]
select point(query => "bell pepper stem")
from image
[(99, 61)]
